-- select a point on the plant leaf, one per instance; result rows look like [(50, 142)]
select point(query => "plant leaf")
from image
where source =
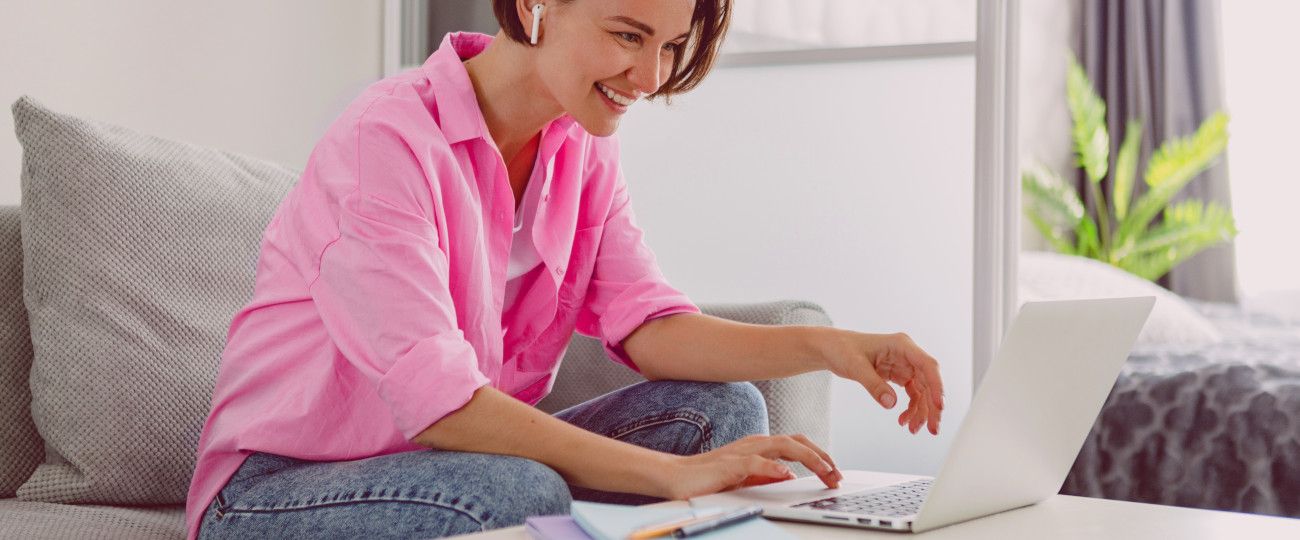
[(1181, 158), (1051, 205), (1091, 140), (1189, 227), (1150, 266), (1125, 168), (1051, 197), (1060, 242), (1172, 166), (1088, 244)]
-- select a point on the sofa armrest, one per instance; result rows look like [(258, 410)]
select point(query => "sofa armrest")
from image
[(799, 404)]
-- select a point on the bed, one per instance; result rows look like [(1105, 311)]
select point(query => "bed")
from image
[(1205, 413)]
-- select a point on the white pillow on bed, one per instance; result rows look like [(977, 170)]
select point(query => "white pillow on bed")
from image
[(1054, 276)]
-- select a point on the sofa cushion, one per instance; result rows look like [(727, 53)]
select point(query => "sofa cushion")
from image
[(38, 520), (20, 444), (137, 252)]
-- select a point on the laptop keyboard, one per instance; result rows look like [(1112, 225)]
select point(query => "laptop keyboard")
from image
[(894, 501)]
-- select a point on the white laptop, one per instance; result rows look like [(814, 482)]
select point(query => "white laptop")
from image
[(1028, 420)]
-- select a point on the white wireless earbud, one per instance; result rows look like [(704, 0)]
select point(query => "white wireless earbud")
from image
[(537, 18)]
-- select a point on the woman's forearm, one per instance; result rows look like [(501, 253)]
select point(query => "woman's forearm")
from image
[(699, 347), (495, 423)]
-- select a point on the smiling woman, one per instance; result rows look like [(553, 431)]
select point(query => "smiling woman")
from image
[(593, 60), (692, 52), (416, 290), (416, 319)]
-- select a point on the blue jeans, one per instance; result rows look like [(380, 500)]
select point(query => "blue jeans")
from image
[(434, 493)]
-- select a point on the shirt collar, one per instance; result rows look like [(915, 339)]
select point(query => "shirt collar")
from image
[(461, 118)]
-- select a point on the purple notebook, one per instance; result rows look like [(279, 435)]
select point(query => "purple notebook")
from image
[(560, 527)]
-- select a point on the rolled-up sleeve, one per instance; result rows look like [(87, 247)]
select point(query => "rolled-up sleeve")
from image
[(627, 287), (383, 295)]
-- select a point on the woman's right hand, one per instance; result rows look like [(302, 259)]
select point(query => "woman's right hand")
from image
[(751, 461)]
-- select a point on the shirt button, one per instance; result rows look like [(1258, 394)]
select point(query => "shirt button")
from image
[(546, 197), (559, 270)]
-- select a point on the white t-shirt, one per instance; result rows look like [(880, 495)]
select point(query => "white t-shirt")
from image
[(524, 258)]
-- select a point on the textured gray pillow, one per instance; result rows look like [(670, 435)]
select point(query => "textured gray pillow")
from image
[(137, 253), (20, 445), (38, 520)]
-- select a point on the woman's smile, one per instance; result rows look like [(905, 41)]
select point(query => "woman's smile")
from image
[(614, 99)]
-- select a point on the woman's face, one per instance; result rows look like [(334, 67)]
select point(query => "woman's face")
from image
[(589, 48)]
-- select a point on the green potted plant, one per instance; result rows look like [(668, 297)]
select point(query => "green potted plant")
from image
[(1115, 231)]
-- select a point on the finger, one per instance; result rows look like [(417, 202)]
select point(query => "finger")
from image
[(911, 410), (761, 480), (930, 369), (878, 388), (759, 466), (917, 394), (907, 413), (834, 476), (789, 448), (932, 420), (808, 442), (934, 410), (771, 472)]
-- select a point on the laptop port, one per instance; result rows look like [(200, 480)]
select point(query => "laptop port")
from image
[(840, 518), (864, 521), (886, 523)]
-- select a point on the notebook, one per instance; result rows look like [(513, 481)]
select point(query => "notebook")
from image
[(554, 528), (616, 522)]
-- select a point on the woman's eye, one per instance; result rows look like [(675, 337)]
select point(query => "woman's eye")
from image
[(629, 37), (672, 47)]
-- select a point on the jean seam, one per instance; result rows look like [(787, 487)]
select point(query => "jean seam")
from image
[(313, 506), (696, 418), (245, 480), (221, 505), (259, 474)]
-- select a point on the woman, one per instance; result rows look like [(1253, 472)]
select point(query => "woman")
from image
[(417, 287)]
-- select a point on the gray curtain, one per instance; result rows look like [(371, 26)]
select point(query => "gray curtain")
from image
[(1159, 61)]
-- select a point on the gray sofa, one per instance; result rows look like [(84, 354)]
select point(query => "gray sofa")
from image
[(118, 276)]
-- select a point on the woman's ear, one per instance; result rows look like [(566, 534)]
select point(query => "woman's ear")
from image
[(530, 13), (537, 22)]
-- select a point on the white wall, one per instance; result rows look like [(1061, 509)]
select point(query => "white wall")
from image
[(768, 25), (261, 78), (1264, 133), (850, 185)]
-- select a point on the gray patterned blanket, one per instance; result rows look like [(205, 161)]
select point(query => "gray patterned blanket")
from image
[(1214, 427)]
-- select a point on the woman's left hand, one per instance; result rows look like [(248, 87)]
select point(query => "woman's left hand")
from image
[(875, 360)]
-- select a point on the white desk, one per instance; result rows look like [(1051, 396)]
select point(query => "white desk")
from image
[(1059, 517)]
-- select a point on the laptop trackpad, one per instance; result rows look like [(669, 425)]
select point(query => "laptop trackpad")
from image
[(799, 490)]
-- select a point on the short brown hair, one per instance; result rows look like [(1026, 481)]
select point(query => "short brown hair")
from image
[(709, 25)]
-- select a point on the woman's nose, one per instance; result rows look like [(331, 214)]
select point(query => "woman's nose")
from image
[(646, 74)]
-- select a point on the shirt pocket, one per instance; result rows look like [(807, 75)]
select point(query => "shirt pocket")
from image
[(582, 261)]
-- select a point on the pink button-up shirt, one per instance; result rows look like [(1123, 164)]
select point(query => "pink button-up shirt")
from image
[(377, 308)]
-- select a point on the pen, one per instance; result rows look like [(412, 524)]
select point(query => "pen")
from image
[(729, 518), (661, 529)]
